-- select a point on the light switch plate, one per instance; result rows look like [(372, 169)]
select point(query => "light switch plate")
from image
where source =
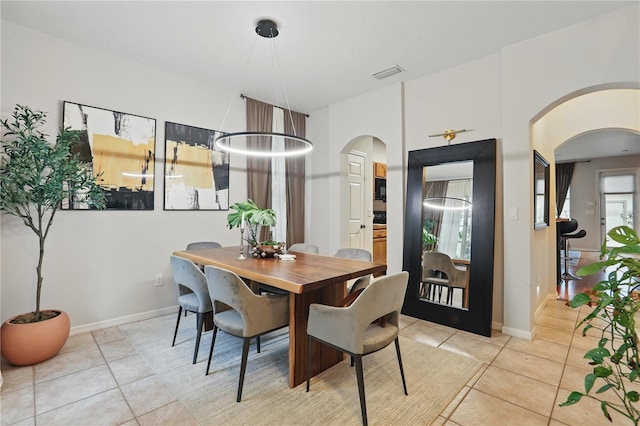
[(513, 213)]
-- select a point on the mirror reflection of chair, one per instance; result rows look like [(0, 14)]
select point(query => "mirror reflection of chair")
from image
[(304, 248), (193, 295), (438, 273), (240, 312), (354, 329), (566, 231)]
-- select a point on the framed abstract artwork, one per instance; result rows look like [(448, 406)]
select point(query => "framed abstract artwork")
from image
[(196, 174), (120, 148)]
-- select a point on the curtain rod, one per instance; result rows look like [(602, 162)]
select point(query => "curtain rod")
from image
[(575, 161), (245, 97)]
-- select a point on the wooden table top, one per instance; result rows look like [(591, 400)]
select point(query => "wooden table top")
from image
[(307, 272)]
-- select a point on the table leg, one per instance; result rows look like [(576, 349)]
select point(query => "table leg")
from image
[(324, 357)]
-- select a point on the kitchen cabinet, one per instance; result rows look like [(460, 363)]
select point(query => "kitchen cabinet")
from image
[(380, 244), (380, 170)]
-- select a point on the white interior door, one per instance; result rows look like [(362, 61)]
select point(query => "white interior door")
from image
[(619, 193), (356, 200)]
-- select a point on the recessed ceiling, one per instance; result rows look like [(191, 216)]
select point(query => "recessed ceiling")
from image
[(328, 50)]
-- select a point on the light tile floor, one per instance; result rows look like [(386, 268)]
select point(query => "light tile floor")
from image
[(100, 378)]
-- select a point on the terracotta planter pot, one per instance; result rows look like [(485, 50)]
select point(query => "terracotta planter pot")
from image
[(26, 344)]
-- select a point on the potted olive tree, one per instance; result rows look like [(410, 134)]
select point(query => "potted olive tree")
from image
[(35, 178), (616, 362)]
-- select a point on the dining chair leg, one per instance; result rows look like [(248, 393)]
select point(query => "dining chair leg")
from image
[(404, 383), (175, 333), (243, 366), (199, 325), (360, 376), (258, 344), (309, 358), (213, 342)]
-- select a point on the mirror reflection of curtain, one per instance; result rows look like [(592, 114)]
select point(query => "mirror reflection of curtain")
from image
[(455, 233), (433, 217), (564, 172)]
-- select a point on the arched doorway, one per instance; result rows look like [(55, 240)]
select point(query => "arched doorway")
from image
[(363, 207), (615, 106)]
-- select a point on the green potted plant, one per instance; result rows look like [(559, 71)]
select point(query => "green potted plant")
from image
[(35, 177), (428, 239), (255, 218), (615, 302)]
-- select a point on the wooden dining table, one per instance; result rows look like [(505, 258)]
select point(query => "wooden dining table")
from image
[(310, 278)]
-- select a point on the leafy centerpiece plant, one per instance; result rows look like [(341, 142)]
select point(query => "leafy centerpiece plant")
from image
[(256, 219), (36, 176), (615, 379)]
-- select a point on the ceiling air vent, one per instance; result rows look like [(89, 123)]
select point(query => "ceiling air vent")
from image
[(396, 69)]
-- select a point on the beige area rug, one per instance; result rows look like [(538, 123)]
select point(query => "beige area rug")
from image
[(434, 377)]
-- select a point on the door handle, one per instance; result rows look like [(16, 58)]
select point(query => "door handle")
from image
[(362, 226)]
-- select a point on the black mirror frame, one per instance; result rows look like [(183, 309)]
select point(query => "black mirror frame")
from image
[(477, 319), (540, 161)]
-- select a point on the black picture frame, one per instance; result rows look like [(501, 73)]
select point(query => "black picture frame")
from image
[(477, 318), (196, 172), (541, 188)]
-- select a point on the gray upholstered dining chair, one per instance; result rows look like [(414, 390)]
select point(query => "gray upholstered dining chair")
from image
[(354, 329), (356, 254), (203, 245), (240, 312), (193, 295), (304, 248), (438, 272)]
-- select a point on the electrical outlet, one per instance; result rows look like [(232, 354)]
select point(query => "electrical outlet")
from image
[(159, 280)]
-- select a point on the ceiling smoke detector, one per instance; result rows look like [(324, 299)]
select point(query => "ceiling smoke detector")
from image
[(396, 69)]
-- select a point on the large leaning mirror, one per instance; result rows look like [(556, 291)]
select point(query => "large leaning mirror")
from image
[(449, 235)]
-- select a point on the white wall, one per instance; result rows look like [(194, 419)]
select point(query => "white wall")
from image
[(377, 114), (100, 265)]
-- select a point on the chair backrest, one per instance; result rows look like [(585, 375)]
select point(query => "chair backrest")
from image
[(354, 253), (383, 296), (434, 262), (203, 245), (187, 274), (304, 248), (258, 312)]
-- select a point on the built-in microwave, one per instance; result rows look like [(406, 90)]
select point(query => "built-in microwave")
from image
[(381, 189)]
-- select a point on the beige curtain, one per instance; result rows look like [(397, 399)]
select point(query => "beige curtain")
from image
[(295, 175), (259, 119)]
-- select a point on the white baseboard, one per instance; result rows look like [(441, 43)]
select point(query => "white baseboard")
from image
[(122, 320), (519, 333)]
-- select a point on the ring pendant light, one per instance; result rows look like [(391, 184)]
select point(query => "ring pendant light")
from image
[(268, 29)]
